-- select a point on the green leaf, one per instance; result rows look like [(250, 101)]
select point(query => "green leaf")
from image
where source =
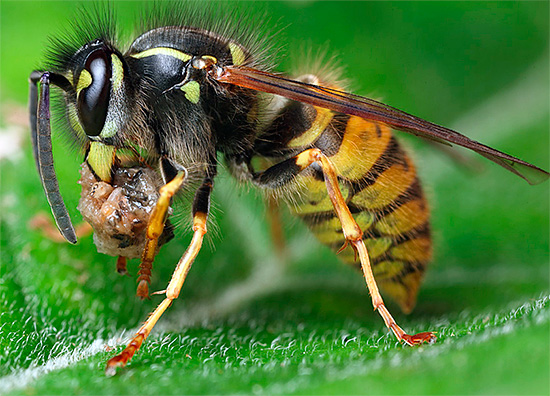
[(248, 321)]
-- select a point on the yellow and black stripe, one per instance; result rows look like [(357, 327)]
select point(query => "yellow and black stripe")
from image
[(377, 179)]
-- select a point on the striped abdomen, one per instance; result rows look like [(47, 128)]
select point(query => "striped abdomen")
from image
[(380, 185)]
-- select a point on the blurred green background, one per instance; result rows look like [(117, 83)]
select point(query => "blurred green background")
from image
[(247, 322)]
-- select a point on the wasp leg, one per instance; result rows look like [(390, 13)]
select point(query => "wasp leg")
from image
[(121, 263), (285, 171), (171, 292), (201, 208), (154, 231)]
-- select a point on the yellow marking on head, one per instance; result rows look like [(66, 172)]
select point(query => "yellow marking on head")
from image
[(237, 54), (419, 250), (405, 218), (111, 126), (84, 81), (101, 159), (74, 121), (388, 186), (321, 122), (174, 53), (360, 148), (192, 91), (117, 73)]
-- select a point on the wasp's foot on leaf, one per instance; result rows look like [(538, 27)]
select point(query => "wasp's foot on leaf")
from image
[(417, 339)]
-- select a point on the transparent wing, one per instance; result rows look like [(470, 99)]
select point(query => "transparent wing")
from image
[(372, 110)]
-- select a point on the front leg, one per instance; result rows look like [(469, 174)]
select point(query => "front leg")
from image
[(284, 172), (154, 231), (201, 209)]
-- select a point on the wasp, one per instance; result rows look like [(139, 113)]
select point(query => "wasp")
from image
[(156, 119)]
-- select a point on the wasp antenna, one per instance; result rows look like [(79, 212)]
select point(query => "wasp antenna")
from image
[(33, 109), (42, 147)]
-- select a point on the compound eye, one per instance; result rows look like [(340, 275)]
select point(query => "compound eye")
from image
[(93, 97)]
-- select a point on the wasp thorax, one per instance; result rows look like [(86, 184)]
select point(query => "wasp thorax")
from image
[(93, 89)]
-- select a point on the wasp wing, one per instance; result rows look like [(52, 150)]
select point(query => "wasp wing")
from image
[(372, 110)]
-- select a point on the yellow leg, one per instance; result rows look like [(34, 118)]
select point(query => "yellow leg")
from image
[(171, 292), (154, 231), (354, 236)]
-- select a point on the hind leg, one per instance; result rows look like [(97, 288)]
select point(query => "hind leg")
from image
[(284, 172)]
